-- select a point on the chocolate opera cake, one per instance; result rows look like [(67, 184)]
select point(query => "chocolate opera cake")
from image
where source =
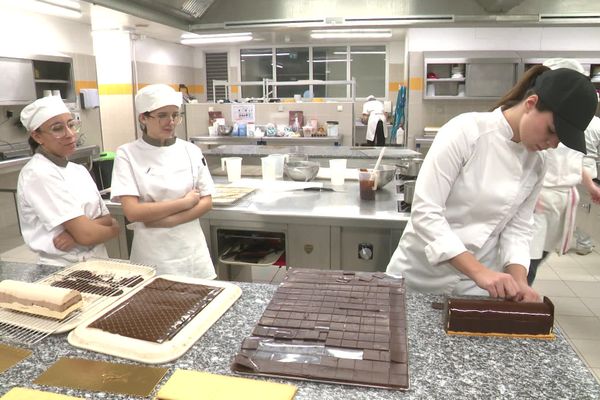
[(495, 317), (332, 326)]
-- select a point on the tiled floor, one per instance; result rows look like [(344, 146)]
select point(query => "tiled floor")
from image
[(571, 281)]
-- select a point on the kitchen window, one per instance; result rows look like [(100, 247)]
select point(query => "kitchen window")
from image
[(330, 64), (291, 65), (367, 66), (256, 65)]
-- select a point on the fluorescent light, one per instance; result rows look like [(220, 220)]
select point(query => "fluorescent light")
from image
[(263, 54), (359, 52), (189, 35), (70, 9), (350, 33), (192, 38)]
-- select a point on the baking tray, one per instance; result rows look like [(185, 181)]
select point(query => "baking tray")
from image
[(227, 195), (151, 352), (113, 280)]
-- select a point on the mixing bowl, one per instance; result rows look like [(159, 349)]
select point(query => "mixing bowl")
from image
[(385, 174), (301, 170)]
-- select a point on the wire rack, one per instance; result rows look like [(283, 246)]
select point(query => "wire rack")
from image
[(100, 282)]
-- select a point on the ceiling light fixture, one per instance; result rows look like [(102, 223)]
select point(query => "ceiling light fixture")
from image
[(192, 38), (350, 33), (60, 8)]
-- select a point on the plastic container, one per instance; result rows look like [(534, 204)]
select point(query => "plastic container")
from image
[(268, 168), (338, 171), (233, 166), (279, 161), (332, 128), (367, 185)]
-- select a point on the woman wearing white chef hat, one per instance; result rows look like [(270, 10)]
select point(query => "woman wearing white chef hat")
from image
[(62, 215), (374, 116), (164, 186), (470, 227)]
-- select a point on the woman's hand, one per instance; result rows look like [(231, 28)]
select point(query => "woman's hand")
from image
[(64, 241), (527, 294), (192, 197), (498, 284)]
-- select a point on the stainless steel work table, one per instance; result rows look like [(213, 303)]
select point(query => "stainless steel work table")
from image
[(440, 366)]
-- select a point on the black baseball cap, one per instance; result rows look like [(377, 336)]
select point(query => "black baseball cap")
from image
[(572, 99)]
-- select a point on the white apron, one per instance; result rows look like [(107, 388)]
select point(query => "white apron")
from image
[(374, 118), (160, 174)]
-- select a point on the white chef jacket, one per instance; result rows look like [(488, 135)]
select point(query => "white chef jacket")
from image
[(592, 145), (49, 195), (165, 173), (554, 216), (475, 192), (374, 108)]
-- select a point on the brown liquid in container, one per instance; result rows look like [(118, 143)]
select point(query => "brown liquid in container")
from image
[(366, 190)]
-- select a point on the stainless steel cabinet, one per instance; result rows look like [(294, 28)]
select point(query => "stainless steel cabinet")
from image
[(309, 246), (16, 81)]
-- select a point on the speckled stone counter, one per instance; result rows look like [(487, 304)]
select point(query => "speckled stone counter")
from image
[(441, 367)]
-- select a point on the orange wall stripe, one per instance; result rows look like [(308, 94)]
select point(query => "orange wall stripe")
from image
[(415, 83), (105, 89), (85, 85), (199, 89)]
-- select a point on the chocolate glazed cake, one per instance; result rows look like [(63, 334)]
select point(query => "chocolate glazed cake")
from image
[(332, 326), (495, 317)]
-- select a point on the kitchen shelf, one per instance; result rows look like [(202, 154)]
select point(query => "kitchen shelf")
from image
[(51, 81)]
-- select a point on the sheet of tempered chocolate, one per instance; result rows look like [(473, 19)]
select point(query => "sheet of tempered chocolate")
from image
[(100, 282), (496, 317), (9, 356), (332, 326), (159, 321), (102, 376)]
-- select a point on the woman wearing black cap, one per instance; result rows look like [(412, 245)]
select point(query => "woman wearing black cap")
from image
[(471, 219)]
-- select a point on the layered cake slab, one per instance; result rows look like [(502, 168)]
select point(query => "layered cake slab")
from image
[(497, 317), (99, 283), (332, 326), (159, 321)]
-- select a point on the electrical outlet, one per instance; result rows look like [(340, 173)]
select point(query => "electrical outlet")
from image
[(9, 114)]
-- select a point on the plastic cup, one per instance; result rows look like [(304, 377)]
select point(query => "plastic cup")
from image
[(234, 168), (338, 171), (268, 168), (366, 181), (279, 161)]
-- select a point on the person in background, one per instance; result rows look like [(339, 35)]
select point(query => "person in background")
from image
[(374, 117), (185, 93), (62, 216), (556, 206), (472, 211), (164, 186), (583, 242)]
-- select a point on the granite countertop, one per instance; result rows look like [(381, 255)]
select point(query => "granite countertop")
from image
[(440, 366), (311, 151)]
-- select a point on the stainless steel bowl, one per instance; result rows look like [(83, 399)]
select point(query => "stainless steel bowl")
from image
[(385, 174), (301, 170)]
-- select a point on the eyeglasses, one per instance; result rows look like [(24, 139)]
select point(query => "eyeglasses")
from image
[(59, 130), (165, 118)]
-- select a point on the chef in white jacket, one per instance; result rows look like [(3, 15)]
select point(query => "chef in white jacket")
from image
[(470, 224), (374, 116), (164, 186), (62, 216), (556, 207)]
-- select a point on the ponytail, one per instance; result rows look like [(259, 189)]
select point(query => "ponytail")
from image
[(522, 89)]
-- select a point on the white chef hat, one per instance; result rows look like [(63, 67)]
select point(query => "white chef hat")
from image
[(41, 110), (555, 63), (153, 97), (370, 97)]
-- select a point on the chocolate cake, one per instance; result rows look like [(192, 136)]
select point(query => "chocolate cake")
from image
[(332, 326), (102, 285), (486, 316), (158, 311)]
